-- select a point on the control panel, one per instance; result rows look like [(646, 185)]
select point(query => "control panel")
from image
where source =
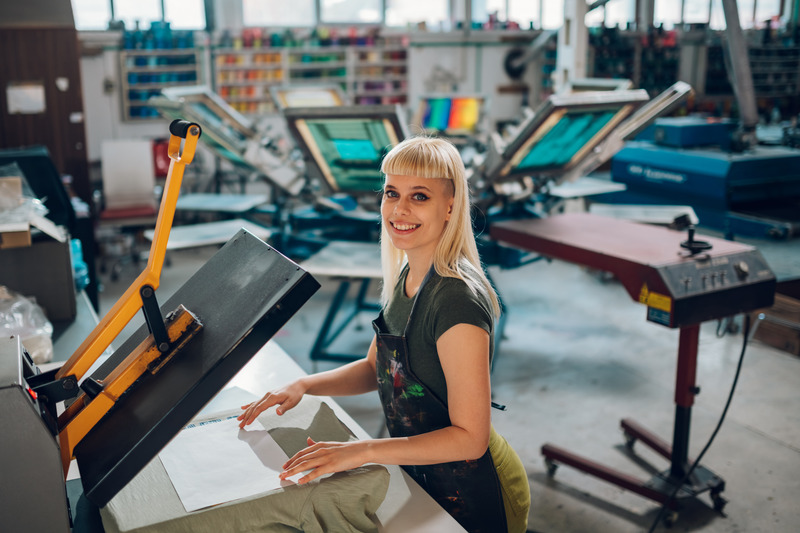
[(709, 286)]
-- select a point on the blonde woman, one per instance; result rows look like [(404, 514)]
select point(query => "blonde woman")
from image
[(431, 354)]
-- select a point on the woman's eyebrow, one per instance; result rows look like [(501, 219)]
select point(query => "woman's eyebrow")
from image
[(415, 188)]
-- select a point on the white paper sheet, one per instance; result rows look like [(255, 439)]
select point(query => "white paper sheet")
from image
[(213, 462)]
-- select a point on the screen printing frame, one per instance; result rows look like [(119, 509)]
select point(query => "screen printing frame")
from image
[(659, 105), (230, 135), (297, 120), (504, 163), (225, 130), (281, 95), (419, 114), (582, 85)]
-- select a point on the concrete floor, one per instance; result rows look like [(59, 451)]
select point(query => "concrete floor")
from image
[(578, 355)]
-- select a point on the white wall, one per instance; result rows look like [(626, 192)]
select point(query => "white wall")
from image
[(471, 64)]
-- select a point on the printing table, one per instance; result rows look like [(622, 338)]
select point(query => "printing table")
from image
[(406, 508), (348, 262), (209, 233), (230, 204), (683, 282)]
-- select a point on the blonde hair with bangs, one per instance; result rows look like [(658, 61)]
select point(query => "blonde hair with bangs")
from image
[(456, 254)]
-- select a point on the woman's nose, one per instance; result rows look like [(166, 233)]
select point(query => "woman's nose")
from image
[(401, 206)]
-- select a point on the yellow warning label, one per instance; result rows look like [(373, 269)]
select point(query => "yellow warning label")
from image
[(654, 299), (659, 301)]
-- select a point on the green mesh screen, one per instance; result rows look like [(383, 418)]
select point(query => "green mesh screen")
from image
[(564, 140), (353, 150)]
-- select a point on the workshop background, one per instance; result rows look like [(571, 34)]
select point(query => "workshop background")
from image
[(89, 88)]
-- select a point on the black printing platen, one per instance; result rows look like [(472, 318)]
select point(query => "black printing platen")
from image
[(243, 295)]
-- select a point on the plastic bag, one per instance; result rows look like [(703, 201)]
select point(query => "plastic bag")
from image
[(22, 316), (15, 208)]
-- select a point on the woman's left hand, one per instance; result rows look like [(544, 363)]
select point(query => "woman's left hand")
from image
[(325, 458)]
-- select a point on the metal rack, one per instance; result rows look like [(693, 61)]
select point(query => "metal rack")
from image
[(367, 74), (144, 73)]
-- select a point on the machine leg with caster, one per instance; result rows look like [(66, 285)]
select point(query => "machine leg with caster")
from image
[(661, 486)]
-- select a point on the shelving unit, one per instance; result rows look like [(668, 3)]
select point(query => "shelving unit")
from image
[(243, 78), (775, 70), (776, 79), (659, 68), (145, 72), (319, 65), (379, 75), (614, 55), (366, 74)]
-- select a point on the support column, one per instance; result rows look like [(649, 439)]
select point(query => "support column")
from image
[(573, 43)]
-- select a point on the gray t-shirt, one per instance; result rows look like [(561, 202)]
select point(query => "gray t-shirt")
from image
[(443, 303)]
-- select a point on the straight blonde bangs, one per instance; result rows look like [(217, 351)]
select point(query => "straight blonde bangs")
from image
[(424, 157)]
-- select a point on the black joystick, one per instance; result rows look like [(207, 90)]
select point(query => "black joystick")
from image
[(694, 246)]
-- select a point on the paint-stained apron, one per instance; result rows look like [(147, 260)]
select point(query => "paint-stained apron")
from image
[(468, 490)]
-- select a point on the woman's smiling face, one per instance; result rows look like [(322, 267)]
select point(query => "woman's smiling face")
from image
[(415, 210)]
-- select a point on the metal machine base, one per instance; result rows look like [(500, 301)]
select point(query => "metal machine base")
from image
[(658, 488), (661, 487)]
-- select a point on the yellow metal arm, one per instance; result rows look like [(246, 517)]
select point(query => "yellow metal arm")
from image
[(130, 302), (80, 417)]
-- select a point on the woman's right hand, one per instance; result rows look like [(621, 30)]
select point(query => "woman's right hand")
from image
[(285, 398)]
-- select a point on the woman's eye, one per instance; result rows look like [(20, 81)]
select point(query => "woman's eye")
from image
[(390, 194), (420, 197)]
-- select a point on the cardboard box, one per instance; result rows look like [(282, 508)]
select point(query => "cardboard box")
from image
[(42, 270), (784, 331), (12, 234)]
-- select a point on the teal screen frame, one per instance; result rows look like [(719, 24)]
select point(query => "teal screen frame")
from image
[(347, 144), (563, 131), (352, 150), (564, 140)]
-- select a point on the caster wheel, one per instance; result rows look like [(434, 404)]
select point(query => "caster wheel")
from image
[(551, 467), (630, 440), (670, 518), (719, 502)]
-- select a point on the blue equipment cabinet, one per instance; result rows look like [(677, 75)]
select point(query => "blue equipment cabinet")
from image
[(754, 193)]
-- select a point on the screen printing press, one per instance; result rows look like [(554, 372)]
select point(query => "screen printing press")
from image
[(113, 416), (683, 281)]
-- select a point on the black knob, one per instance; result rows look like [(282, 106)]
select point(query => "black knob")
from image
[(694, 246)]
